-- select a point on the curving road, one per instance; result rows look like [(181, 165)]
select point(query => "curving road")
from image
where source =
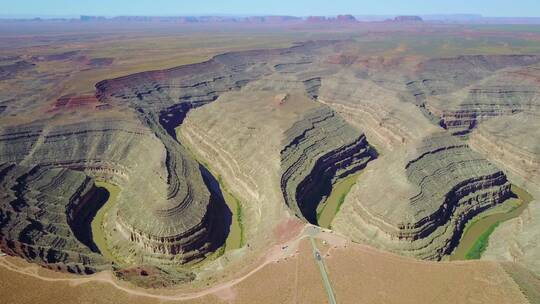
[(275, 254)]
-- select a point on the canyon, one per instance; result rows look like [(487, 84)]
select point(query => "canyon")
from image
[(259, 138)]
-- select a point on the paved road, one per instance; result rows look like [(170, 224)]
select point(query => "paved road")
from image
[(320, 262)]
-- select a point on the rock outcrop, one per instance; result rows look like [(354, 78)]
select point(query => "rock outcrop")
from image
[(165, 212), (281, 126), (388, 122), (407, 19), (513, 142), (181, 226), (465, 90), (422, 200), (517, 240), (107, 149), (318, 150), (131, 156), (241, 135), (42, 217)]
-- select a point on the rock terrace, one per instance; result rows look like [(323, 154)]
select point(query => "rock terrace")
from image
[(282, 125)]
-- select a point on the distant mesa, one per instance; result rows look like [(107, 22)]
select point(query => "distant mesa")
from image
[(272, 19), (346, 18), (407, 19), (195, 19), (338, 19), (224, 19), (316, 19), (288, 20), (92, 18)]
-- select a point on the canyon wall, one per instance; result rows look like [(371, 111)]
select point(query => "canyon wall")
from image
[(39, 208), (417, 205), (513, 143), (281, 126), (319, 149)]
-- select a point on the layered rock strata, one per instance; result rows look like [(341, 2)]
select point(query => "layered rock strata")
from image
[(127, 154), (165, 211), (513, 142), (422, 200), (465, 90), (517, 240), (456, 93), (266, 108), (42, 212), (107, 149), (440, 76), (319, 149), (182, 226), (241, 135), (388, 122), (178, 224)]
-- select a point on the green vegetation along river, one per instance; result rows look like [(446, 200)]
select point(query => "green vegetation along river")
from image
[(98, 232), (327, 210), (476, 234), (236, 238)]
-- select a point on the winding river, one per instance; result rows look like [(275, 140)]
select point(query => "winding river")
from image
[(98, 232), (478, 230), (327, 210)]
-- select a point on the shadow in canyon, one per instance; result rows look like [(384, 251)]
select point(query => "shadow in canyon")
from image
[(82, 224), (221, 215)]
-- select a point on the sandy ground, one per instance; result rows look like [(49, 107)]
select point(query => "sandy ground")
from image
[(287, 274), (363, 275)]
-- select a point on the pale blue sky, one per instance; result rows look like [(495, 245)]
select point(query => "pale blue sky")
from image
[(516, 8)]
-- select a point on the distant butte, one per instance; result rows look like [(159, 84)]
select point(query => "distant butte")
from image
[(407, 19)]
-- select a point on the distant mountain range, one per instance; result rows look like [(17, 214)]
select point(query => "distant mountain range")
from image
[(452, 18)]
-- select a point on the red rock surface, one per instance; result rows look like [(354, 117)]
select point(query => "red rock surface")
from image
[(76, 102)]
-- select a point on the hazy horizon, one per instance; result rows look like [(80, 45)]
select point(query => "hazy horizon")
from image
[(71, 9)]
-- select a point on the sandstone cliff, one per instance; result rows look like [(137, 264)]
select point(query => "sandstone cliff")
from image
[(418, 205), (42, 214)]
